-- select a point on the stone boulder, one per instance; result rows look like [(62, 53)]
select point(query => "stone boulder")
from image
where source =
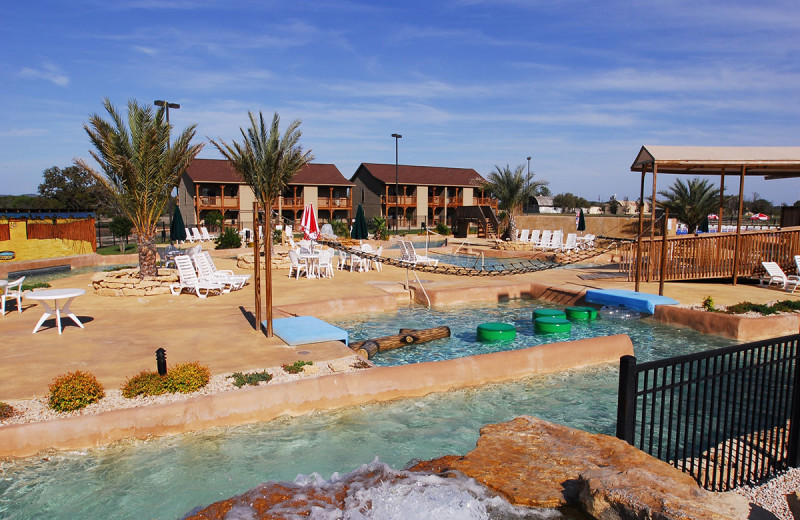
[(280, 260), (126, 282)]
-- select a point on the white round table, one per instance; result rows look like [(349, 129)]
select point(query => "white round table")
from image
[(311, 260), (55, 295)]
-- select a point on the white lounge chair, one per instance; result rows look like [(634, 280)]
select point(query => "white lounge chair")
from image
[(377, 263), (189, 279), (797, 263), (411, 255), (776, 275), (207, 235), (296, 265), (523, 236), (12, 291), (571, 243), (544, 240), (189, 236), (196, 235), (534, 236), (204, 273), (221, 275)]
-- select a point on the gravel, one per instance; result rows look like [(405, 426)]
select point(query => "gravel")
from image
[(37, 410), (770, 496)]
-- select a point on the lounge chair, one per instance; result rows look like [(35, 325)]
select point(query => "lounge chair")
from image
[(523, 236), (189, 235), (797, 263), (534, 236), (571, 243), (776, 275), (12, 291), (196, 234), (296, 265), (412, 257), (221, 275), (377, 263), (189, 279), (544, 240), (206, 235)]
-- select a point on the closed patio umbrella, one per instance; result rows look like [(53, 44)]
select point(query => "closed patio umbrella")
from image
[(581, 221), (309, 223), (177, 230), (359, 231)]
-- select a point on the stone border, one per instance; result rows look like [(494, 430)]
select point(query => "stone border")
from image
[(263, 403)]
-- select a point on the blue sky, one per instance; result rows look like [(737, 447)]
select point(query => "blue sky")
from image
[(578, 85)]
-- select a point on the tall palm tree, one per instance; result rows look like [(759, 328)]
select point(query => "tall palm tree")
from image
[(691, 201), (512, 190), (139, 167), (266, 161)]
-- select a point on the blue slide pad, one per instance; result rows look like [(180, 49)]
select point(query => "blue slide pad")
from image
[(306, 329), (641, 302)]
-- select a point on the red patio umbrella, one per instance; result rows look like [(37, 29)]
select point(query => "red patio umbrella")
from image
[(759, 216), (713, 216), (309, 223)]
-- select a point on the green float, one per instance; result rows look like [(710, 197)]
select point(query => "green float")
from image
[(548, 313), (552, 325), (496, 332), (581, 313)]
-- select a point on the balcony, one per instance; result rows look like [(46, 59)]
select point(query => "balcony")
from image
[(289, 203), (333, 203), (404, 200), (486, 201), (215, 202), (452, 202)]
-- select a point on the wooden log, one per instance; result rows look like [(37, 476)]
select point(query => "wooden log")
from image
[(405, 337)]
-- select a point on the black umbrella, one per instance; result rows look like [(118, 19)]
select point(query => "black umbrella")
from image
[(177, 230), (359, 231), (581, 221)]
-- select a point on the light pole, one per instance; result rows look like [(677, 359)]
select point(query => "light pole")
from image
[(397, 138), (166, 106), (529, 166)]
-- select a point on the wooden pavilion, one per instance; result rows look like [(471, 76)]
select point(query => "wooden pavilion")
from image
[(714, 255)]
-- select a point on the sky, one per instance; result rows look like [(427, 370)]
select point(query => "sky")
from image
[(577, 85)]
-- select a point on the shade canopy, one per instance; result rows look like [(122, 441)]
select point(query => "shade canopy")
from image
[(359, 231), (177, 230), (771, 162)]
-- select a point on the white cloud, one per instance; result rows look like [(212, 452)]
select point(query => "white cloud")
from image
[(48, 72)]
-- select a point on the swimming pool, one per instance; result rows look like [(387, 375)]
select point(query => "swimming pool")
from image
[(167, 477)]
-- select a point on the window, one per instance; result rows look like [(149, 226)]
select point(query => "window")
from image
[(362, 194)]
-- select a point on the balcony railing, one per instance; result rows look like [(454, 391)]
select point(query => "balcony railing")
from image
[(403, 200), (333, 202), (289, 203), (218, 202), (452, 202)]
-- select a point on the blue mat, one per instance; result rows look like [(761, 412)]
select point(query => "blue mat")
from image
[(306, 329), (641, 302)]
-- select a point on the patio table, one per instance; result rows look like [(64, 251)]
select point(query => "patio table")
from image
[(55, 295), (311, 260)]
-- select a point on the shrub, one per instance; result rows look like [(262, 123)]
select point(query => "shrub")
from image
[(442, 228), (340, 228), (228, 239), (186, 378), (74, 391), (277, 235), (251, 378), (144, 383), (708, 304), (745, 307), (6, 411), (297, 366)]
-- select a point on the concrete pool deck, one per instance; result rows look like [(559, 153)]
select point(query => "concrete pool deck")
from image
[(121, 334)]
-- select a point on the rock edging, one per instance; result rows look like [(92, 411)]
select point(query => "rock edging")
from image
[(126, 282)]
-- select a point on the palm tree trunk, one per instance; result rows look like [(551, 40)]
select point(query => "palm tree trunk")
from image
[(147, 254), (512, 226)]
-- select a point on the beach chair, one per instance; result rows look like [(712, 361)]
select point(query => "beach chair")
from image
[(12, 291), (206, 235), (797, 264), (204, 272), (571, 243), (775, 275), (556, 241), (420, 259), (196, 235), (296, 265), (189, 279), (544, 240), (239, 280), (523, 237), (534, 239), (189, 235)]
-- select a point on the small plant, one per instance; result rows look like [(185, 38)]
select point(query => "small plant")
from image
[(379, 224), (340, 228), (297, 366), (213, 219), (228, 239), (442, 228), (144, 383), (6, 411), (708, 304), (34, 285), (186, 378), (121, 228), (251, 378), (277, 235), (74, 391)]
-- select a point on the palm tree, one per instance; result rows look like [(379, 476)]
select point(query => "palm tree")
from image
[(266, 161), (512, 190), (690, 202), (139, 167)]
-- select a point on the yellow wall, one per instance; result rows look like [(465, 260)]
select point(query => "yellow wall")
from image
[(35, 249)]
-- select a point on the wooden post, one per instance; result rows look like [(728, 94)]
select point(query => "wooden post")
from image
[(663, 272), (721, 199), (268, 264), (256, 266), (641, 230), (650, 253), (197, 204), (737, 245)]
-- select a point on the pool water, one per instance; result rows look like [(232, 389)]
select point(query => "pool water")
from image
[(651, 340), (485, 263), (167, 477)]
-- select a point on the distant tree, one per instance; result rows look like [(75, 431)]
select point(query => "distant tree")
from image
[(613, 205), (512, 190), (569, 202), (758, 205), (121, 228), (140, 167), (544, 191), (74, 188), (690, 202), (796, 204), (21, 202), (214, 220)]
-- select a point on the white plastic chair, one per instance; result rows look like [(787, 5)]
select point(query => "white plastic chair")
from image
[(342, 260), (377, 263), (534, 237), (296, 265), (776, 275), (189, 279), (12, 291), (189, 235), (221, 275), (571, 243), (196, 234), (544, 240), (325, 264), (523, 237), (206, 235)]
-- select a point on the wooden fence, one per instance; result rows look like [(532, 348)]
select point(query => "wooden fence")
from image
[(711, 255), (5, 232), (76, 230)]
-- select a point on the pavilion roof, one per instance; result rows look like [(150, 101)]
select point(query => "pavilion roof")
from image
[(772, 162)]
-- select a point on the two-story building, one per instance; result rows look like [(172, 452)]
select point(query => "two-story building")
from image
[(213, 185), (421, 194)]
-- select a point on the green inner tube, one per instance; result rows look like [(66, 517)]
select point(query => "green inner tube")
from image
[(548, 313), (581, 313), (496, 331), (549, 325)]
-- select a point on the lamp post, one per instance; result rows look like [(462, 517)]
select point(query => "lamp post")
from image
[(397, 138), (529, 166), (166, 105)]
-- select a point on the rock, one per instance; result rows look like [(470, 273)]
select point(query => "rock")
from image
[(126, 282), (311, 369), (339, 365)]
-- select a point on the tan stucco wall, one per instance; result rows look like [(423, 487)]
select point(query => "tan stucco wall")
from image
[(623, 226), (246, 199), (311, 196), (469, 194), (422, 205)]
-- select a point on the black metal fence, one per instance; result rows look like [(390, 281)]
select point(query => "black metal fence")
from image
[(724, 416)]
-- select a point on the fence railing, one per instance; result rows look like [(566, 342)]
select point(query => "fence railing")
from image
[(728, 416), (711, 255)]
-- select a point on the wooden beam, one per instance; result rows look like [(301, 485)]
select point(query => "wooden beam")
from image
[(650, 256), (663, 272), (257, 267), (737, 246), (641, 231)]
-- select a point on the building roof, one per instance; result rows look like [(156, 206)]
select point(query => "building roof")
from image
[(220, 170), (541, 200), (770, 161), (423, 175)]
